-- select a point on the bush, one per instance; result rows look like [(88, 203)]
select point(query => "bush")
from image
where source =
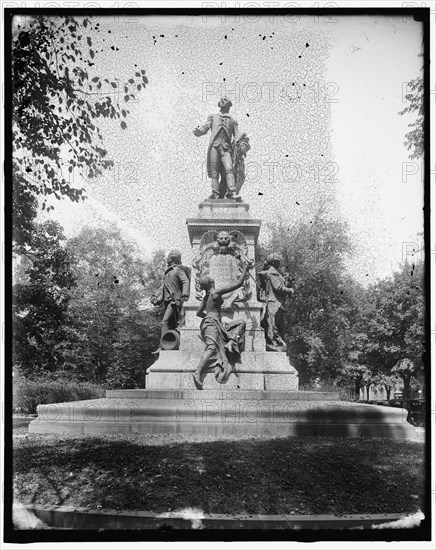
[(122, 376), (29, 393)]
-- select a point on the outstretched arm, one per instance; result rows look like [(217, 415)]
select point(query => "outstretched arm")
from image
[(238, 283), (201, 130)]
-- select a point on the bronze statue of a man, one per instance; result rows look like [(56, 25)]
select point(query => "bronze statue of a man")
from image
[(173, 292), (275, 292), (226, 152)]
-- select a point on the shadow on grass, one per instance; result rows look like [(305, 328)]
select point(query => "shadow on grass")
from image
[(304, 475)]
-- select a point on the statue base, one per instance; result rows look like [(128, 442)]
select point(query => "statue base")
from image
[(239, 413), (257, 370)]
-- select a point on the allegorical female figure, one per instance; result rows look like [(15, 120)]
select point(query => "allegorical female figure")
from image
[(224, 341)]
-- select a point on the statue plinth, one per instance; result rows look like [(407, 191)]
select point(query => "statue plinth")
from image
[(223, 236)]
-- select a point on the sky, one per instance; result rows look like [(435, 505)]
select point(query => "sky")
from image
[(319, 98)]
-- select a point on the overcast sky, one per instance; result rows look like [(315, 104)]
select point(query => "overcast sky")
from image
[(319, 99)]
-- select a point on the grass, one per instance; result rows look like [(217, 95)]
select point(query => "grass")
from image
[(305, 475)]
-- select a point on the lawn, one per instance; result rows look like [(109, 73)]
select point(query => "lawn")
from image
[(253, 475)]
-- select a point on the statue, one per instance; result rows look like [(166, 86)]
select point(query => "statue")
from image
[(274, 292), (173, 292), (226, 152), (224, 341)]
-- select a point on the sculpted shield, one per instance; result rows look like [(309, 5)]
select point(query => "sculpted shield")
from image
[(221, 256)]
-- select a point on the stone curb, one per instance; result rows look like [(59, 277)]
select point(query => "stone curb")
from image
[(66, 517)]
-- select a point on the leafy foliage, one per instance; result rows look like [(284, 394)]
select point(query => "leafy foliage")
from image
[(40, 300), (390, 327), (113, 330), (83, 309), (31, 392), (415, 138), (58, 99), (356, 374), (390, 382), (395, 324), (338, 331), (321, 310), (24, 211)]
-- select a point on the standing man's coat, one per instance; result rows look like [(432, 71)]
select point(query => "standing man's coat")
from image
[(216, 123)]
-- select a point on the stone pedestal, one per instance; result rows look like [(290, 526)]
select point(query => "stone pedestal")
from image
[(231, 216), (258, 369)]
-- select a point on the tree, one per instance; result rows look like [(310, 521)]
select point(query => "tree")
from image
[(405, 369), (58, 98), (40, 300), (393, 321), (389, 382), (415, 138), (357, 376), (321, 311), (24, 208), (114, 328)]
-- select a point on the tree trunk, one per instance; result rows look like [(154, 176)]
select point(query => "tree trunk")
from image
[(406, 391), (367, 392), (388, 392), (357, 389)]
